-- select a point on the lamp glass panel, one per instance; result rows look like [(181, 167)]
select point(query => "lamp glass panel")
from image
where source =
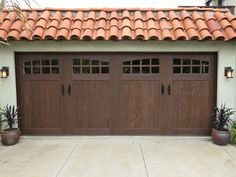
[(229, 73), (4, 73)]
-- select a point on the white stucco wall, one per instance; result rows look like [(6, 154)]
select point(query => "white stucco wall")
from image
[(226, 88)]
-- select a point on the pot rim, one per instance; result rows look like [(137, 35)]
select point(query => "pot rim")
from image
[(222, 132), (10, 130)]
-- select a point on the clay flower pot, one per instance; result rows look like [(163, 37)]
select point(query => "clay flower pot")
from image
[(10, 137), (221, 138)]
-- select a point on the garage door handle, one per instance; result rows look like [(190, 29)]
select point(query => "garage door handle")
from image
[(62, 89), (162, 89), (69, 90), (169, 89)]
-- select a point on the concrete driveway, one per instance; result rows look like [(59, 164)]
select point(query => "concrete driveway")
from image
[(117, 157)]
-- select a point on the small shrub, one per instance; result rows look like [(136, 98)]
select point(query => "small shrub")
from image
[(0, 123), (233, 132), (222, 118), (10, 115)]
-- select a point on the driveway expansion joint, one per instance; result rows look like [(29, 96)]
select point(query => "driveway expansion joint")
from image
[(144, 162), (63, 165)]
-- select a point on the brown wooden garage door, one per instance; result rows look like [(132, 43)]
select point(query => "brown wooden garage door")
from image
[(116, 93)]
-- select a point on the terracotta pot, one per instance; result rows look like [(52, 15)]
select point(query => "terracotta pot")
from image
[(221, 138), (10, 137)]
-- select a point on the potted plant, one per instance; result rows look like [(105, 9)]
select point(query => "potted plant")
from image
[(221, 125), (233, 132), (11, 135), (0, 123)]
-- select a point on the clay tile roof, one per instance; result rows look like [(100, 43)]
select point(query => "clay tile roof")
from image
[(119, 24)]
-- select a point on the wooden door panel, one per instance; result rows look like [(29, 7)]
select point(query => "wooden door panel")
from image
[(41, 105), (39, 94), (139, 100), (91, 104), (190, 105)]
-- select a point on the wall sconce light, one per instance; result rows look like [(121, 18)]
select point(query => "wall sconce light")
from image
[(4, 72), (229, 72)]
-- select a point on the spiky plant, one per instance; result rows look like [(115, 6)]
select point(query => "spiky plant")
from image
[(222, 118), (0, 123), (233, 132), (9, 115)]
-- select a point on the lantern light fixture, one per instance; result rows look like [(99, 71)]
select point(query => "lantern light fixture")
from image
[(229, 72), (4, 72)]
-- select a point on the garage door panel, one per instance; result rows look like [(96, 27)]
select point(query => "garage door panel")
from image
[(139, 104), (91, 104), (42, 103), (116, 93), (190, 104)]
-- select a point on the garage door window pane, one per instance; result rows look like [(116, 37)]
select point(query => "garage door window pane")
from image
[(27, 70), (45, 70), (205, 69), (28, 63), (126, 63), (155, 61), (145, 70), (76, 61), (85, 70), (105, 63), (88, 66), (36, 70), (196, 70), (55, 70), (55, 62), (186, 69), (190, 66), (45, 62), (44, 66), (136, 70), (177, 61), (76, 70), (186, 61), (105, 70), (196, 62), (142, 66), (95, 62), (136, 62), (95, 70), (85, 62), (177, 70), (36, 63), (146, 61), (155, 70), (126, 70)]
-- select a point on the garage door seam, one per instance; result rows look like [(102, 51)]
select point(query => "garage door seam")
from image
[(66, 160), (144, 162)]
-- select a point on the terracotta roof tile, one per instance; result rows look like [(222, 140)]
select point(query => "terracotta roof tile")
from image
[(174, 16), (138, 15), (153, 34), (180, 34), (161, 15), (201, 25), (205, 35), (184, 14), (177, 24), (149, 15), (114, 15), (197, 16), (119, 24)]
